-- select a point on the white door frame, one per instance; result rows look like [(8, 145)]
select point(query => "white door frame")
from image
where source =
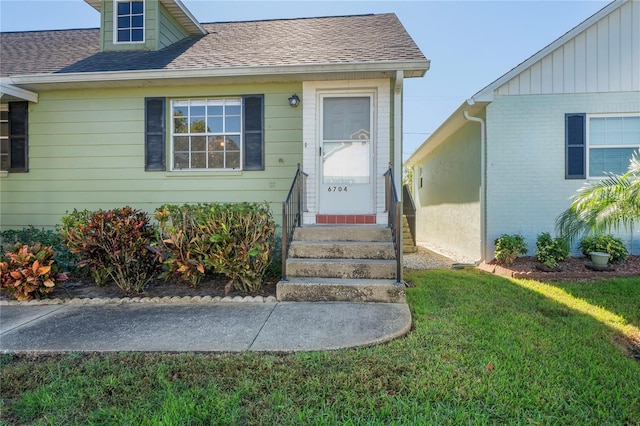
[(369, 208), (381, 127)]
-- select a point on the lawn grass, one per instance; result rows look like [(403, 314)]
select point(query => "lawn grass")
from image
[(483, 350)]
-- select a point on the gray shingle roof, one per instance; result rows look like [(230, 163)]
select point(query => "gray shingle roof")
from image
[(308, 41)]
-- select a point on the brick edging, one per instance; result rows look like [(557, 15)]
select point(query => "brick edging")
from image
[(532, 275)]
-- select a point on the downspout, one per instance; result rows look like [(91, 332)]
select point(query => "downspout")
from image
[(483, 185), (397, 130), (397, 153)]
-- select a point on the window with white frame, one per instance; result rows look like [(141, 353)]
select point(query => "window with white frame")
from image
[(206, 134), (129, 21), (597, 144), (611, 141)]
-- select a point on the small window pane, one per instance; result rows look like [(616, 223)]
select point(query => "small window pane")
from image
[(124, 8), (233, 160), (181, 143), (137, 7), (199, 160), (610, 160), (180, 125), (216, 143), (197, 125), (181, 160), (124, 22), (137, 35), (123, 35), (216, 160), (197, 109), (214, 110), (232, 124), (180, 109), (232, 143), (198, 143), (233, 110), (137, 21), (215, 124)]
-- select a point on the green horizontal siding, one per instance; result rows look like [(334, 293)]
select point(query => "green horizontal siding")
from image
[(170, 31), (86, 151)]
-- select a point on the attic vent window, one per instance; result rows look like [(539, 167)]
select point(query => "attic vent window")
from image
[(129, 21)]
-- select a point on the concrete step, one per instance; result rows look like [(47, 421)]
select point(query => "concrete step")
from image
[(410, 248), (341, 290), (342, 233), (342, 268), (342, 250)]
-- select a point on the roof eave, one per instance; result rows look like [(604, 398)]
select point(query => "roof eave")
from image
[(486, 93), (454, 122), (7, 89), (411, 69)]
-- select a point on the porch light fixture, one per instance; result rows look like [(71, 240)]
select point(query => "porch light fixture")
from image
[(294, 100)]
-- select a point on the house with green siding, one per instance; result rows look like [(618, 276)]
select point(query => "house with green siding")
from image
[(510, 158), (155, 107)]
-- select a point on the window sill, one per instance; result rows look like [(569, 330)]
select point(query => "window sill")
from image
[(198, 173)]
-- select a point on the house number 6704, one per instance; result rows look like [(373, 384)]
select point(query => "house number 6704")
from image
[(337, 189)]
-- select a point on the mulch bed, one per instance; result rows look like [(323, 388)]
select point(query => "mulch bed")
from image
[(573, 268), (76, 287)]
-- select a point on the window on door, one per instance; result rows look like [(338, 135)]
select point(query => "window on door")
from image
[(346, 140)]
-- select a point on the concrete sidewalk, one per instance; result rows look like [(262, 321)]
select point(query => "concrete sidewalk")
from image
[(200, 327)]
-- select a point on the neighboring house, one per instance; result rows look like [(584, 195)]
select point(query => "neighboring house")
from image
[(155, 107), (509, 159)]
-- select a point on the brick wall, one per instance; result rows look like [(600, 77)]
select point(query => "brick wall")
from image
[(526, 188)]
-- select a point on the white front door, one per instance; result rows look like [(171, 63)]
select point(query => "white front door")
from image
[(346, 155)]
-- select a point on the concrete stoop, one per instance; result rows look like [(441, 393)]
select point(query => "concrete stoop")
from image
[(341, 263), (340, 290)]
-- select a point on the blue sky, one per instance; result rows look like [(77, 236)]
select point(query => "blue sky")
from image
[(469, 43)]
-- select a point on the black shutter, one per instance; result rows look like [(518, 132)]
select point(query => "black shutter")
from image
[(575, 146), (253, 132), (154, 135), (18, 137)]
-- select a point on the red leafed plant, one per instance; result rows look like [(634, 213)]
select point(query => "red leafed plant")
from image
[(29, 272)]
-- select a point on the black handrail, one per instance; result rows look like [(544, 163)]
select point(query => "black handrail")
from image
[(409, 211), (393, 206), (292, 209)]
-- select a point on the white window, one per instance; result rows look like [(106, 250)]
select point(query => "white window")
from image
[(611, 141), (206, 134), (129, 21)]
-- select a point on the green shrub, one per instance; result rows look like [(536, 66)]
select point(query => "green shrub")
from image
[(29, 271), (117, 243), (183, 241), (551, 250), (508, 247), (234, 239), (607, 244), (45, 237)]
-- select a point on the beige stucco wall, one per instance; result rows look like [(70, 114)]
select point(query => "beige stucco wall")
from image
[(448, 202)]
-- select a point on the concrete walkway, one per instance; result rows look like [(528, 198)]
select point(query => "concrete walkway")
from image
[(200, 327)]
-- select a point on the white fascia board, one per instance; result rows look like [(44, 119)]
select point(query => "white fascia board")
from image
[(486, 94), (94, 3), (419, 66), (17, 92), (172, 4)]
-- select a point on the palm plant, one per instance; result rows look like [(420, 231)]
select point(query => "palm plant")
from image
[(598, 207)]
